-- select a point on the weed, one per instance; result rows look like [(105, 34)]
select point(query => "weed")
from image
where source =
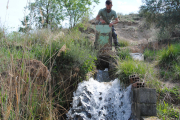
[(166, 111)]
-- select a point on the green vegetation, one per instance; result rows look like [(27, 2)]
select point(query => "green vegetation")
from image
[(123, 43), (169, 61), (126, 66), (51, 13), (166, 111), (123, 54), (150, 55), (68, 57), (171, 95), (163, 13)]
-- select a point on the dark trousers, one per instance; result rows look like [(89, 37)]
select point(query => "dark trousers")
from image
[(114, 35)]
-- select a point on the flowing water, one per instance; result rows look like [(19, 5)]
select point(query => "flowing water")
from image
[(94, 100)]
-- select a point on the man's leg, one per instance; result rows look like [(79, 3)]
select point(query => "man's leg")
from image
[(114, 35)]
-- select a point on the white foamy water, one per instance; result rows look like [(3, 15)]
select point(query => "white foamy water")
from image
[(95, 100)]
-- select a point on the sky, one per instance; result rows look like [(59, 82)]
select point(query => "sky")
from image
[(12, 11)]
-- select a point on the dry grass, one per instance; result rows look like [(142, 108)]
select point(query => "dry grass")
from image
[(40, 71)]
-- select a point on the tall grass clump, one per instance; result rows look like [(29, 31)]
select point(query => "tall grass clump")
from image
[(123, 43), (128, 66), (170, 55), (124, 54), (169, 62), (39, 72), (150, 55)]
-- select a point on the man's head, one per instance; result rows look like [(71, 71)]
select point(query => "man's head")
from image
[(108, 5)]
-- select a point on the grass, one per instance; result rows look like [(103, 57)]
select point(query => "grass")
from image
[(170, 55), (170, 95), (150, 55), (126, 66), (169, 62), (166, 111), (68, 59), (123, 43)]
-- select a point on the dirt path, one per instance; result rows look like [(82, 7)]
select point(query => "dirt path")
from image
[(135, 33)]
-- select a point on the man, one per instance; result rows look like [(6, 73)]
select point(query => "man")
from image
[(106, 15)]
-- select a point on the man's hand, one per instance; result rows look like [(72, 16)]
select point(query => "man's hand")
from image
[(102, 21), (111, 24)]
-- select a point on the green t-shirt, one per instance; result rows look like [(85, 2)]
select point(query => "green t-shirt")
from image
[(107, 17)]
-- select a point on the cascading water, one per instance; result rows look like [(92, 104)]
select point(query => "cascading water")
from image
[(95, 100)]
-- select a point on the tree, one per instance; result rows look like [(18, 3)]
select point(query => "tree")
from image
[(26, 26), (166, 13), (76, 9), (44, 13)]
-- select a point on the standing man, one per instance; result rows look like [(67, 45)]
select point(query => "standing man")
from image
[(106, 15)]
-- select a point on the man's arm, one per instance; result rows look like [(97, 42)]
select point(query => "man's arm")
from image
[(99, 19), (115, 22)]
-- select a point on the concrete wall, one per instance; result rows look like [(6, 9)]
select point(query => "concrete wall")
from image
[(144, 102)]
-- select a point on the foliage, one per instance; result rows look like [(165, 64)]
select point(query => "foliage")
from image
[(50, 13), (164, 13), (124, 54), (76, 9), (169, 61), (150, 54), (170, 95), (123, 43), (68, 66), (128, 67), (166, 111), (170, 55), (43, 13)]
